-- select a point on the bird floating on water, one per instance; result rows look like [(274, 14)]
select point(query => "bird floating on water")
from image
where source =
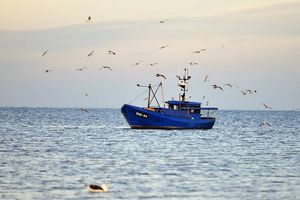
[(263, 124), (97, 188), (161, 75), (83, 109)]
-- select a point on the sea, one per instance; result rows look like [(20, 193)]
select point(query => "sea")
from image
[(53, 153)]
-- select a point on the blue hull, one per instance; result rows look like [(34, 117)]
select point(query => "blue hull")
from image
[(142, 118)]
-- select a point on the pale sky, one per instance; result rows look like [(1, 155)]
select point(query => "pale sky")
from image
[(37, 14), (261, 40)]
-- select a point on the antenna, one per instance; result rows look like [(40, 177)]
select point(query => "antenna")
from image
[(183, 83)]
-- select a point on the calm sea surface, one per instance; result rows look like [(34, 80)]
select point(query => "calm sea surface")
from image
[(53, 153)]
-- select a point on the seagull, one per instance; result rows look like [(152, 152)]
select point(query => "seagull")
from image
[(111, 52), (263, 124), (217, 87), (227, 84), (89, 19), (45, 52), (90, 54), (83, 109), (152, 64), (266, 106), (251, 91), (48, 70), (206, 103), (87, 94), (161, 75), (80, 69), (163, 21), (137, 63), (192, 63), (243, 92), (205, 79), (107, 67), (199, 51), (97, 188), (165, 46)]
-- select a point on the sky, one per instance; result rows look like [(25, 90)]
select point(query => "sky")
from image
[(253, 44)]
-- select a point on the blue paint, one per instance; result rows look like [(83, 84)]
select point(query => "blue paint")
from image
[(166, 118)]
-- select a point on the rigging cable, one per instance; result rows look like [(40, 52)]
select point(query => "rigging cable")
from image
[(138, 96)]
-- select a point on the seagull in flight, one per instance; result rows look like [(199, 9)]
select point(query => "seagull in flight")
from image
[(152, 64), (229, 85), (205, 79), (192, 63), (137, 63), (217, 87), (48, 70), (87, 94), (89, 19), (90, 54), (111, 52), (107, 67), (163, 21), (165, 46), (80, 69), (243, 92), (251, 91), (199, 51), (161, 75), (206, 103), (45, 52), (266, 106)]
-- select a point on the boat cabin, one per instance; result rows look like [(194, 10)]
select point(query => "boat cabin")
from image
[(192, 107)]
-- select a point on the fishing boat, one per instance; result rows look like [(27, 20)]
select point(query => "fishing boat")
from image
[(176, 114)]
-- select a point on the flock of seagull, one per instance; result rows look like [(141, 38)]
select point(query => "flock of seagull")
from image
[(103, 187), (214, 86)]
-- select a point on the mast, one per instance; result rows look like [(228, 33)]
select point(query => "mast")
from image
[(183, 84), (149, 89)]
